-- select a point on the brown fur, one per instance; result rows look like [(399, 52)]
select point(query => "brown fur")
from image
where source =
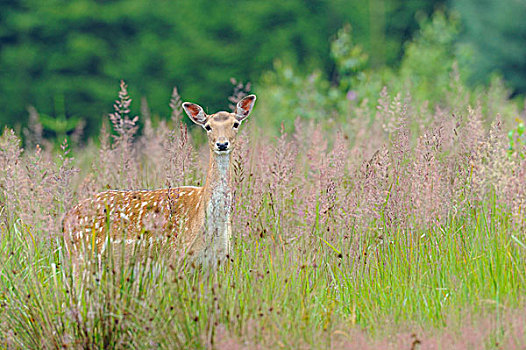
[(194, 220)]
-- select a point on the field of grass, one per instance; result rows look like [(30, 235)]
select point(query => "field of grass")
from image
[(378, 232)]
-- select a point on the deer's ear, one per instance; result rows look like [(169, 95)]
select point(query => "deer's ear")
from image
[(244, 107), (195, 112)]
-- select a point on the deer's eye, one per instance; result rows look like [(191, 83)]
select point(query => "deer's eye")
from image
[(236, 125), (208, 128)]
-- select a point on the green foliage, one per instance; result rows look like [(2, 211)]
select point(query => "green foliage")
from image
[(429, 58), (428, 73), (80, 49), (350, 60), (432, 73), (59, 124), (496, 31), (517, 140), (300, 292), (287, 95)]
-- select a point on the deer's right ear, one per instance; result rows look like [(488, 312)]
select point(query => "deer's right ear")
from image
[(196, 113), (244, 107)]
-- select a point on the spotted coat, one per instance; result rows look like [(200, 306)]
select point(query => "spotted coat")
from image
[(194, 221)]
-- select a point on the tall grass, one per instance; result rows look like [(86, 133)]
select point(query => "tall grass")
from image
[(399, 234)]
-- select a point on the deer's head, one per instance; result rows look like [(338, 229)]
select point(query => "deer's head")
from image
[(221, 127)]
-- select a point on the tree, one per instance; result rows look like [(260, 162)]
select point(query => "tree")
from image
[(81, 49), (497, 32)]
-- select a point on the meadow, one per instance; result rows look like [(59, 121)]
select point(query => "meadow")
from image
[(396, 226)]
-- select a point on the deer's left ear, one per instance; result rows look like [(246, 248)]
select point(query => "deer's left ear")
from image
[(244, 107), (195, 112)]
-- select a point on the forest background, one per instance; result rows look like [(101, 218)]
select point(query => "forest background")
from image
[(66, 58)]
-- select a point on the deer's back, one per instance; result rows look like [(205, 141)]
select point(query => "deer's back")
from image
[(166, 216)]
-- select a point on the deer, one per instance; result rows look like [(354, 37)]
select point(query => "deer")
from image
[(188, 221)]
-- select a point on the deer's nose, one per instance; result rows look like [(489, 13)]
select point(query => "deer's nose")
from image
[(222, 146)]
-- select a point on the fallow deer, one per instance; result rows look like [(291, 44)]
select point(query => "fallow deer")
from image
[(196, 220)]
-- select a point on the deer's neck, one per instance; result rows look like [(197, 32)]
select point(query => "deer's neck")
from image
[(218, 183), (218, 194)]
